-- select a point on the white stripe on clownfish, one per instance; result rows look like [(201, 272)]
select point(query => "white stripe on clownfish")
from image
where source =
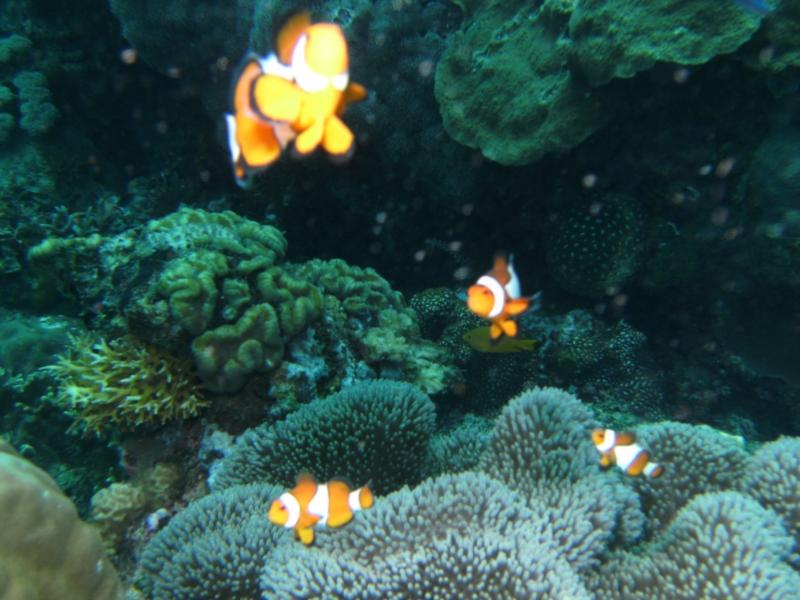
[(498, 294), (292, 508), (320, 504)]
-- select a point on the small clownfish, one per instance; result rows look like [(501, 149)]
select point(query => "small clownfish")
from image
[(299, 92), (480, 339), (310, 504), (496, 297), (622, 450)]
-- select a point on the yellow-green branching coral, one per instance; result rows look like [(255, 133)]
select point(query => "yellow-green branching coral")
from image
[(124, 384)]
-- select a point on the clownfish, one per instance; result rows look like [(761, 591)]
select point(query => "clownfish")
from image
[(496, 297), (297, 94), (622, 450), (310, 504)]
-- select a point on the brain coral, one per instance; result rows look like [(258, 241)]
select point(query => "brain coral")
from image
[(215, 284), (376, 431), (504, 86), (46, 551), (614, 38), (458, 536), (594, 246), (215, 548)]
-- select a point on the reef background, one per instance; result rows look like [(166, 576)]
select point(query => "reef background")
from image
[(648, 184)]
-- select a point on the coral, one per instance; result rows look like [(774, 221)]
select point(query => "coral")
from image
[(215, 284), (215, 548), (36, 107), (118, 507), (593, 246), (375, 431), (540, 447), (721, 546), (458, 449), (504, 86), (46, 551), (114, 509), (165, 41), (541, 437), (771, 477), (226, 355), (700, 460), (457, 536), (12, 47), (613, 39), (123, 384)]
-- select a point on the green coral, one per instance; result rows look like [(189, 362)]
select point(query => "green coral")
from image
[(225, 356), (504, 86), (215, 283), (614, 38), (123, 384), (594, 246)]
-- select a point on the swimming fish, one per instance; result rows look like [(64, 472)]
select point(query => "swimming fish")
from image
[(496, 297), (479, 339), (622, 450), (310, 504), (296, 94)]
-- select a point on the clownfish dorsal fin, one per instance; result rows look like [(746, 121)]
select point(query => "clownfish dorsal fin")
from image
[(306, 485), (500, 268), (289, 27), (625, 438)]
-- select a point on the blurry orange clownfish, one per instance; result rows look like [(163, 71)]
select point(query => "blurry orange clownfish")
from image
[(310, 504), (496, 297), (296, 95), (621, 449)]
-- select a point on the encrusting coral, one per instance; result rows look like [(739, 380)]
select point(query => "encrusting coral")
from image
[(46, 551), (122, 383)]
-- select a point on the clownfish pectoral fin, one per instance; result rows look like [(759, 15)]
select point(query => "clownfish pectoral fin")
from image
[(509, 327), (355, 92), (290, 27), (495, 332), (276, 99), (305, 535), (517, 306), (606, 460), (308, 140), (337, 138)]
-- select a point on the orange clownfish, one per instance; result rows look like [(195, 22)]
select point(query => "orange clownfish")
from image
[(622, 450), (296, 94), (310, 504), (496, 297)]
